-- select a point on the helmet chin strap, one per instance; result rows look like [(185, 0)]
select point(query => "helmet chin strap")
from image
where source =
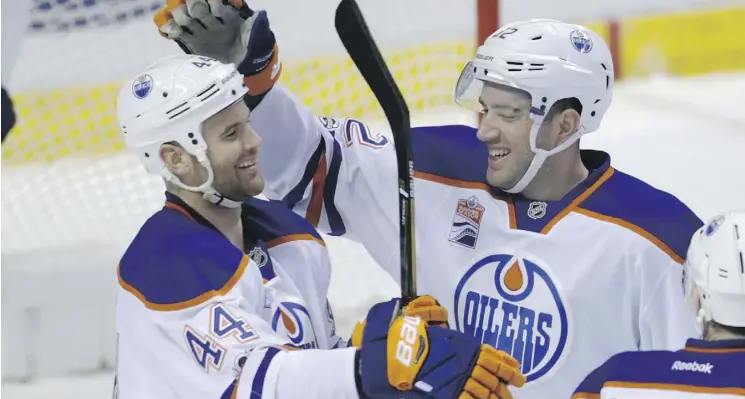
[(701, 323), (540, 156), (208, 192), (702, 317)]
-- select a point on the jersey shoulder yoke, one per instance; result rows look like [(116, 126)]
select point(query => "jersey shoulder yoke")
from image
[(650, 212), (175, 263)]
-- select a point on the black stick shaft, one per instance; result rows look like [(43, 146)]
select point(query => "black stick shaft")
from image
[(355, 35)]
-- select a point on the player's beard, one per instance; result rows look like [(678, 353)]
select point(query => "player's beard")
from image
[(236, 184)]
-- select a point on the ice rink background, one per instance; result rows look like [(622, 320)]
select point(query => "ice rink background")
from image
[(685, 136)]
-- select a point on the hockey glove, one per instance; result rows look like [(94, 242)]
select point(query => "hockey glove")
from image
[(406, 358), (227, 31), (426, 307)]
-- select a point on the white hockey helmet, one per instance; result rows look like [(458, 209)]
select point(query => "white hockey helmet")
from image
[(550, 60), (169, 102), (715, 265)]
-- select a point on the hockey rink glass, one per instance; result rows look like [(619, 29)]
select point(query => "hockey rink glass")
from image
[(469, 88)]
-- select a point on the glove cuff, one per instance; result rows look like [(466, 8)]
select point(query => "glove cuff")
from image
[(261, 81), (358, 374)]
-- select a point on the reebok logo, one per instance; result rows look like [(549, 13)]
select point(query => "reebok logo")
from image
[(692, 366)]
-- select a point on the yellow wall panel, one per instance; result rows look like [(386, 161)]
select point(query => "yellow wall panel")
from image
[(684, 44)]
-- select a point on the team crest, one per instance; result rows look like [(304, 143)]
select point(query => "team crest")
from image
[(142, 86), (713, 226), (293, 320), (239, 361), (466, 222), (514, 303), (581, 41)]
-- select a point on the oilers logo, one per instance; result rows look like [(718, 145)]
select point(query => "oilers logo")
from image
[(142, 86), (581, 41), (293, 320), (713, 226), (514, 304), (466, 222)]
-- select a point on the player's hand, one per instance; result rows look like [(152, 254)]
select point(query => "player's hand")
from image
[(228, 31), (429, 309), (424, 306), (408, 356)]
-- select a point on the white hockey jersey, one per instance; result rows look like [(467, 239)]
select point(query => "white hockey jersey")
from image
[(199, 318), (561, 285), (702, 370)]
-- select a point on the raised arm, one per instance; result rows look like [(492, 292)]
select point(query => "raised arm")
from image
[(337, 173)]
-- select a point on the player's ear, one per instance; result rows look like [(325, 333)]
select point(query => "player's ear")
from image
[(568, 122), (175, 158)]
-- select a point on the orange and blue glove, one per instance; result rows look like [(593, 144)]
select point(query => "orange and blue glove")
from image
[(402, 356), (228, 31), (426, 307)]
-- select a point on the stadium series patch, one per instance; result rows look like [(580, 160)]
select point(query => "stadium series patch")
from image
[(466, 222)]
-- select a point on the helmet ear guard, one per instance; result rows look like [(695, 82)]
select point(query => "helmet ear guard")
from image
[(169, 102)]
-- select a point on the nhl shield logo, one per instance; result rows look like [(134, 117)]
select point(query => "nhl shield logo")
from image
[(466, 222), (537, 210), (259, 256)]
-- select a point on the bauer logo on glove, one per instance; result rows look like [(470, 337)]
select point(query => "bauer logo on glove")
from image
[(406, 354)]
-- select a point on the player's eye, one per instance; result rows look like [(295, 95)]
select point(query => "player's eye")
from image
[(231, 135)]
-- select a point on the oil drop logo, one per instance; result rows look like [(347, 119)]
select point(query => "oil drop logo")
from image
[(515, 304), (293, 319)]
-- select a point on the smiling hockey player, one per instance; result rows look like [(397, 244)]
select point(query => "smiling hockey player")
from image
[(710, 368), (224, 293), (535, 247)]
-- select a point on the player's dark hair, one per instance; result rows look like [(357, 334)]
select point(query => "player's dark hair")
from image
[(739, 331), (563, 105)]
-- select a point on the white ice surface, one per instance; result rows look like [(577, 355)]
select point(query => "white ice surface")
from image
[(686, 136)]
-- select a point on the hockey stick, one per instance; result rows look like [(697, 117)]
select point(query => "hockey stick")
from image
[(353, 32)]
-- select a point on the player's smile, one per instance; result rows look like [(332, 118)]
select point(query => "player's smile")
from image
[(497, 156), (247, 168)]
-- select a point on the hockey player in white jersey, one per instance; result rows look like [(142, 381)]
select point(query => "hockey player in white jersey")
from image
[(712, 367), (222, 294), (534, 246)]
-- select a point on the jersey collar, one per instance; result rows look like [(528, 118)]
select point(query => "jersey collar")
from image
[(191, 212), (694, 344), (538, 216)]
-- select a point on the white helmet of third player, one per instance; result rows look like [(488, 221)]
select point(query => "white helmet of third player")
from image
[(549, 60), (715, 266), (168, 102)]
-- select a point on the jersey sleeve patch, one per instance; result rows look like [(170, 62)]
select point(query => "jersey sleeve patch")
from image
[(273, 223), (449, 154), (175, 263), (654, 214)]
